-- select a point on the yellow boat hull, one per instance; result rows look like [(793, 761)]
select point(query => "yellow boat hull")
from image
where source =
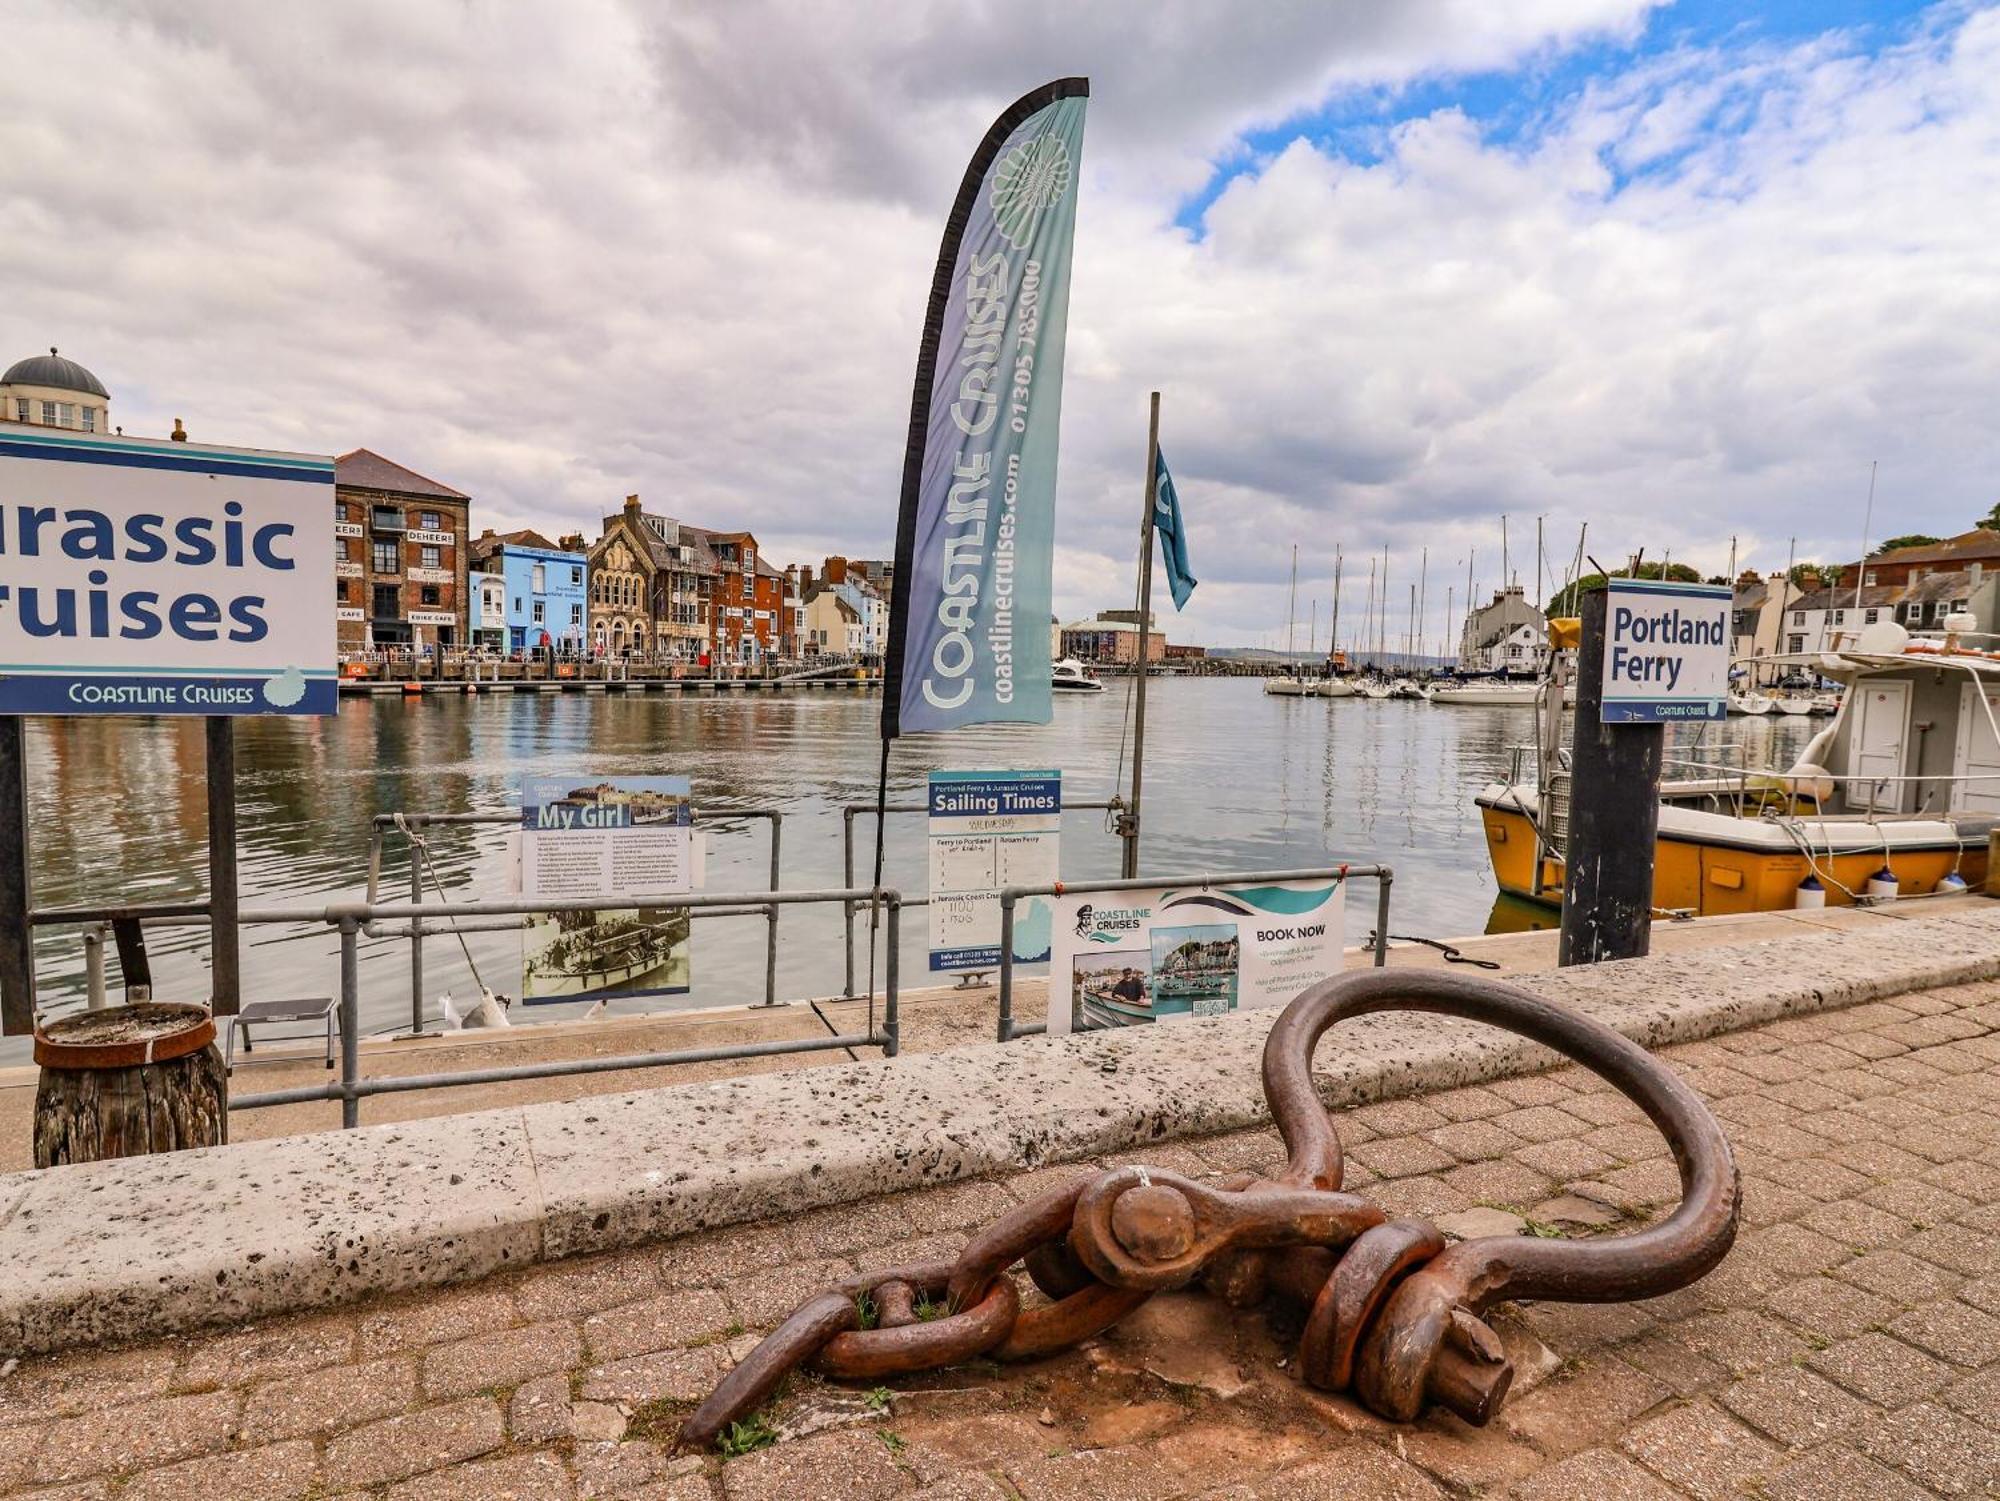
[(1708, 878)]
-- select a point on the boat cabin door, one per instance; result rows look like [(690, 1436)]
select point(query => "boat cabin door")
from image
[(1978, 754), (1875, 753)]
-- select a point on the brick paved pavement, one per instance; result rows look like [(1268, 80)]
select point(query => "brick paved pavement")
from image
[(1849, 1346)]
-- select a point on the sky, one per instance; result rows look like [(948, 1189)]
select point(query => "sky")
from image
[(1679, 271)]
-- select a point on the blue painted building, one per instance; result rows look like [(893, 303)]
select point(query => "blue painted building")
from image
[(546, 602)]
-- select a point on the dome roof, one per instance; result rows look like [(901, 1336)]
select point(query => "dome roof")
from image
[(52, 369)]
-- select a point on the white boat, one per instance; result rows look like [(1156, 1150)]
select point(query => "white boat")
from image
[(1797, 705), (1373, 688), (1487, 694), (1405, 688), (1288, 687), (1069, 676), (1826, 703), (1334, 688), (1751, 703)]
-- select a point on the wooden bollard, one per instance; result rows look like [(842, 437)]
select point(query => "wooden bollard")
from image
[(127, 1081)]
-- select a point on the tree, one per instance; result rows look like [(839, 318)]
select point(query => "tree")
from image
[(1565, 601), (1915, 539), (1819, 570)]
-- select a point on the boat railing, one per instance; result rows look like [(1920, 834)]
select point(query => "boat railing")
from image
[(351, 919), (1012, 896)]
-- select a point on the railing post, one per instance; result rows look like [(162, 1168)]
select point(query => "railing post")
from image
[(771, 931), (892, 1025), (93, 967), (416, 937), (350, 1023), (1384, 878), (847, 904), (1007, 968)]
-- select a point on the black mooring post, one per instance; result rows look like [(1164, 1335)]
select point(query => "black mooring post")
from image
[(17, 939), (1614, 817), (225, 959)]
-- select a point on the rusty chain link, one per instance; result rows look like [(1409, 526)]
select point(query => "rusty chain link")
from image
[(1393, 1315)]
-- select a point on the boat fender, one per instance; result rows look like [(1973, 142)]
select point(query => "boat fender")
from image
[(1882, 886), (1951, 885), (1809, 893)]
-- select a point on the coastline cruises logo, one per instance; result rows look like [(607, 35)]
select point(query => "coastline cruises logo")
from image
[(1028, 179)]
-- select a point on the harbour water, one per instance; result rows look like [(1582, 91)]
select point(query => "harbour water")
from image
[(1235, 780)]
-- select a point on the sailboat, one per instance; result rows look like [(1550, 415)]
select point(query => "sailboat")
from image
[(1290, 685), (1333, 685)]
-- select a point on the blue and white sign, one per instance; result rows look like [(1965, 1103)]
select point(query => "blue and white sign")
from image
[(141, 577), (990, 829), (975, 538), (1666, 652)]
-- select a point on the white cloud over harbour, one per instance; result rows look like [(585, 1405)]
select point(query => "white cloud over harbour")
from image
[(554, 254)]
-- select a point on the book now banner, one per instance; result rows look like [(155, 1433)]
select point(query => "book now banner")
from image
[(975, 537)]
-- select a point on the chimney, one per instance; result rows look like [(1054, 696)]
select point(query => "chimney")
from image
[(179, 434), (631, 505)]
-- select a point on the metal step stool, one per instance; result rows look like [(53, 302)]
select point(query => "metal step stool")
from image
[(262, 1013)]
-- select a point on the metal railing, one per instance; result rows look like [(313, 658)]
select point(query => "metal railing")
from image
[(853, 811), (351, 918), (417, 931), (1010, 895)]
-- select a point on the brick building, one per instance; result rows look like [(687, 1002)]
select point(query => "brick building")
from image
[(652, 588), (399, 556), (750, 601)]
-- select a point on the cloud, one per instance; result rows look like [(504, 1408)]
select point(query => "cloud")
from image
[(555, 255)]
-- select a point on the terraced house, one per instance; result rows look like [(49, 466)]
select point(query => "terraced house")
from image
[(399, 556)]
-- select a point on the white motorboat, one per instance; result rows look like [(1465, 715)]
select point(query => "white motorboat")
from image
[(1069, 676), (1288, 687), (1373, 688), (1490, 694), (1405, 688)]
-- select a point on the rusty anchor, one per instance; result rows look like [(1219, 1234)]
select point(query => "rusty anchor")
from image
[(1394, 1315)]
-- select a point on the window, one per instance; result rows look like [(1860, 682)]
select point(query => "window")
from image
[(1798, 617), (538, 580), (340, 510), (1798, 644), (1870, 617), (388, 606), (429, 594), (387, 519), (1869, 578), (431, 523), (429, 556), (388, 558), (49, 413), (576, 578), (88, 418), (576, 614), (1840, 617), (540, 612), (340, 591)]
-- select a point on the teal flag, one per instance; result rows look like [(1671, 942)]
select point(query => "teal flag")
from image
[(975, 540), (1171, 531)]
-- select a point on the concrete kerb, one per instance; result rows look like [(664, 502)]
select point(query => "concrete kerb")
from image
[(143, 1247)]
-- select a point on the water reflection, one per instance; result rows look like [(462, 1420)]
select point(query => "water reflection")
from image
[(1234, 779)]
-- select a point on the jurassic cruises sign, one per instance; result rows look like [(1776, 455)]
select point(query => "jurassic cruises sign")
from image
[(141, 577)]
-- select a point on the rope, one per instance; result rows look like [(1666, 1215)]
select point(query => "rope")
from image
[(1452, 953), (420, 849)]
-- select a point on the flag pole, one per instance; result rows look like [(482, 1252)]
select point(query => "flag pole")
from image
[(1131, 828)]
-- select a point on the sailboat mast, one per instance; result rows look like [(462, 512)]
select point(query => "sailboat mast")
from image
[(1368, 614), (1867, 519), (1382, 627), (1423, 585), (1333, 631), (1292, 602), (1506, 581), (1541, 598)]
